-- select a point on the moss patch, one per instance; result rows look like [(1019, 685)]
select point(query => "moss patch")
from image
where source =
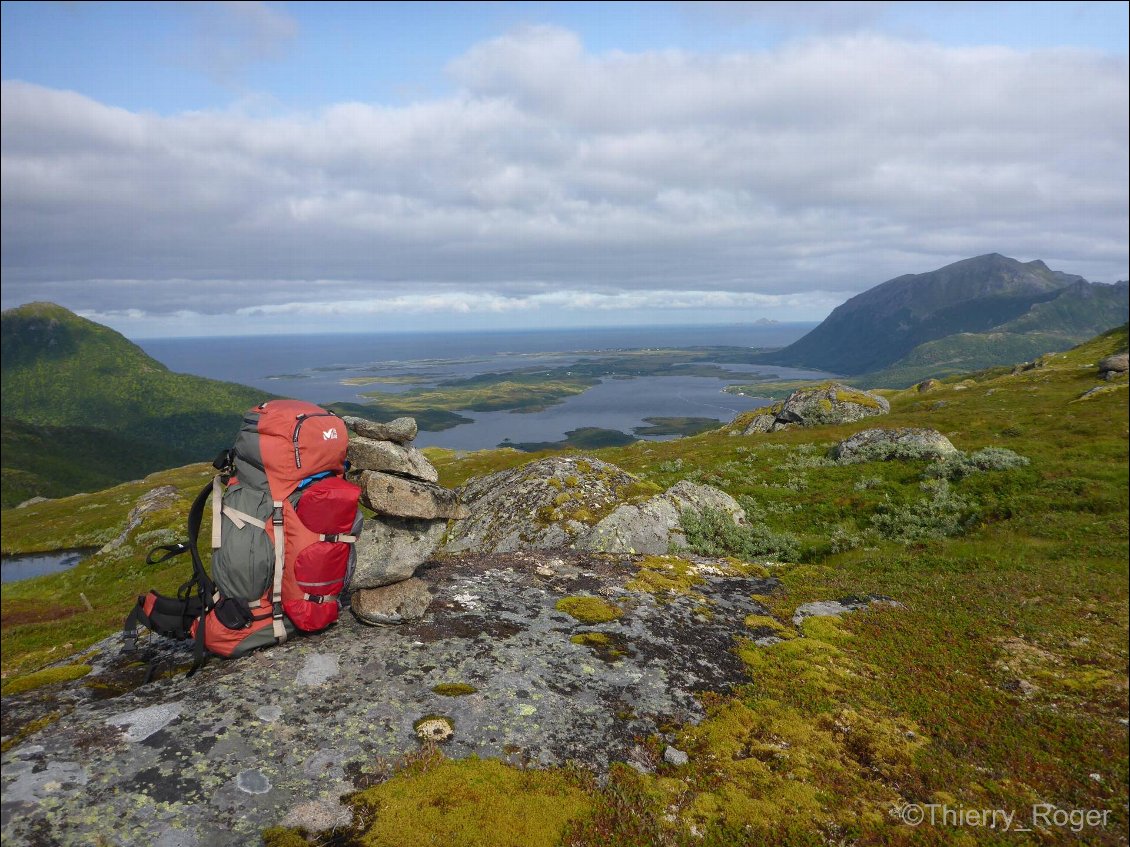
[(471, 803), (608, 647), (589, 610), (29, 729), (454, 689), (47, 676), (766, 625), (666, 577)]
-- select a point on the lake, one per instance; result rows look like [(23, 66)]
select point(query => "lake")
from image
[(312, 368), (26, 566)]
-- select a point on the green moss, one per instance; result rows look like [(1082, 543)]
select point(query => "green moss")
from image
[(555, 482), (454, 689), (47, 676), (666, 577), (471, 803), (589, 610), (765, 622), (585, 466), (608, 647), (573, 481), (858, 398), (29, 729), (284, 836)]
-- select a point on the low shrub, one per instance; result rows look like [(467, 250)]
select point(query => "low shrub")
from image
[(714, 533)]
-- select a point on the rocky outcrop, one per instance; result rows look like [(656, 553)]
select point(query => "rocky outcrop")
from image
[(411, 512), (876, 445), (1114, 366), (152, 501), (540, 506), (281, 736), (653, 527), (579, 503), (826, 403)]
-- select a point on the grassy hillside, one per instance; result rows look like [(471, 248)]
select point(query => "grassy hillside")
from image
[(999, 682), (51, 461), (60, 370)]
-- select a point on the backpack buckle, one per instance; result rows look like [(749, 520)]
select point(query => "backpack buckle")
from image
[(277, 516)]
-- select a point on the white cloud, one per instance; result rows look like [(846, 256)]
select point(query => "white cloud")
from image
[(824, 165)]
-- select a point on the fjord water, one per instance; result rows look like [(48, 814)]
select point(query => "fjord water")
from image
[(312, 367)]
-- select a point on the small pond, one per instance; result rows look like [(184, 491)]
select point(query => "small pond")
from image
[(25, 566)]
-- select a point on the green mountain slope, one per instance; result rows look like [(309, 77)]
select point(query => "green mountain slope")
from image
[(1075, 314), (63, 371), (50, 461), (884, 324)]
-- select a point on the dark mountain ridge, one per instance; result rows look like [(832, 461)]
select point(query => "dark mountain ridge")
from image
[(884, 324)]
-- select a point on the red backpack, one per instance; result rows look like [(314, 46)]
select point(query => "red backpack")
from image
[(284, 522)]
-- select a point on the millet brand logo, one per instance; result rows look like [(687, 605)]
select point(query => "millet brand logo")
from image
[(329, 435)]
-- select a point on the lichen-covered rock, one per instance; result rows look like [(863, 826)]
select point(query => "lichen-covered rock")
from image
[(877, 445), (401, 430), (217, 758), (826, 403), (387, 494), (391, 549), (653, 527), (540, 506), (928, 385), (392, 604), (373, 455)]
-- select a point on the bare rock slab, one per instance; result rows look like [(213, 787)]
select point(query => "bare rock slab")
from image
[(653, 527), (401, 430), (392, 604), (373, 455), (390, 549), (387, 494)]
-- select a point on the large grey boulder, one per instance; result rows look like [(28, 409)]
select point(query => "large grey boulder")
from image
[(401, 430), (540, 506), (391, 549), (653, 527), (1112, 366), (371, 454), (826, 403), (390, 495), (878, 445)]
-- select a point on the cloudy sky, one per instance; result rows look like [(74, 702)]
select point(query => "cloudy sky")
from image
[(230, 168)]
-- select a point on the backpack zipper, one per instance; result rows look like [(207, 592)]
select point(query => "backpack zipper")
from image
[(301, 419)]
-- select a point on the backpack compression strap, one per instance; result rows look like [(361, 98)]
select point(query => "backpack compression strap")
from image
[(280, 561)]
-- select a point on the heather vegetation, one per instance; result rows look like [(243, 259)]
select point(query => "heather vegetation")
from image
[(997, 679)]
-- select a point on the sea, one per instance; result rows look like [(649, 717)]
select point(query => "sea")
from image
[(313, 367)]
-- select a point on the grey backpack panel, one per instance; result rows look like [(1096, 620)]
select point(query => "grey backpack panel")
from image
[(243, 565)]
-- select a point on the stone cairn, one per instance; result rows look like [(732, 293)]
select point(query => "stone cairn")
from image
[(399, 484)]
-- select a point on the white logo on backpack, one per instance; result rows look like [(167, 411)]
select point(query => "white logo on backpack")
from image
[(329, 435)]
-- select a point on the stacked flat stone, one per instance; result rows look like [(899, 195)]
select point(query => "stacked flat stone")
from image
[(411, 513)]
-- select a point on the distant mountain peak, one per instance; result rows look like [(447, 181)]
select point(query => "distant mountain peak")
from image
[(880, 326)]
